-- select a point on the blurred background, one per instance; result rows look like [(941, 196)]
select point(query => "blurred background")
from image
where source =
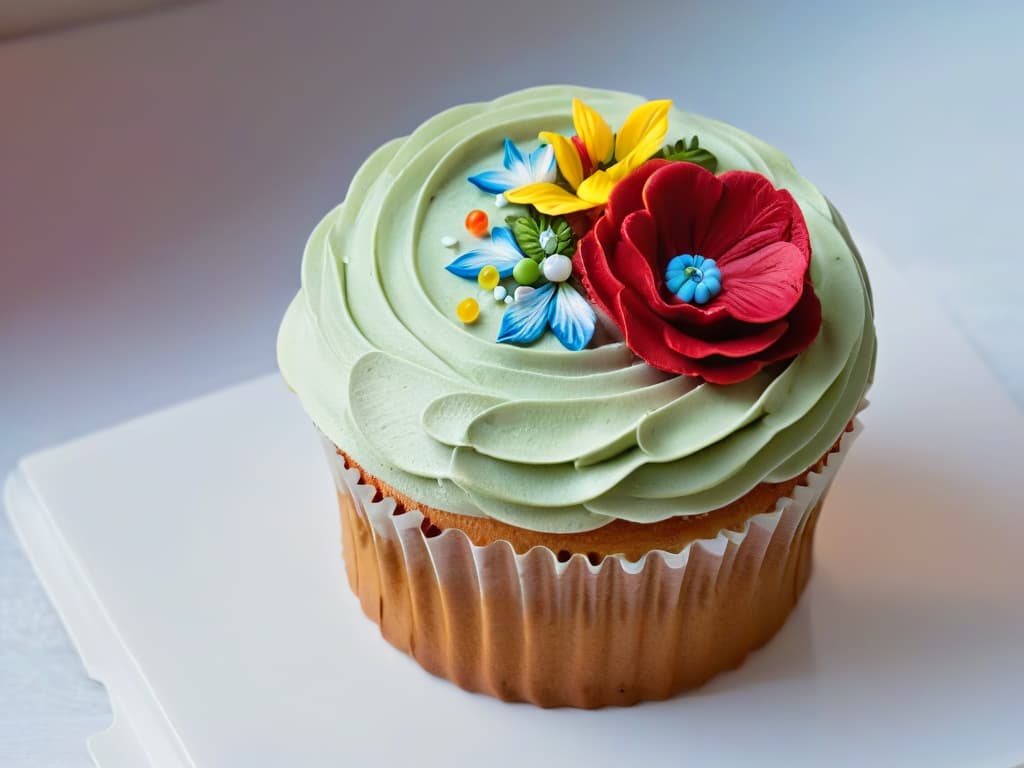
[(161, 165)]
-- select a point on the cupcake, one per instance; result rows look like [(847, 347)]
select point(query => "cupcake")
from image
[(584, 366)]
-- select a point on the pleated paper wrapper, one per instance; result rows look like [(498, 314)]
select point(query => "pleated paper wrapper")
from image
[(529, 627)]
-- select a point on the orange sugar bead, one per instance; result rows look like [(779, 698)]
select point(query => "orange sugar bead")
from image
[(477, 223)]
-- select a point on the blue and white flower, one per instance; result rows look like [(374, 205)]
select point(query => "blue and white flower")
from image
[(501, 251), (520, 170), (557, 306)]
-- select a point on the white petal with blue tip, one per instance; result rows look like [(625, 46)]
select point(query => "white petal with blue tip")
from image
[(527, 317), (500, 251), (518, 170)]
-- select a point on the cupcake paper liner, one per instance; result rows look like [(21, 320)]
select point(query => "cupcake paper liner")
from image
[(529, 627)]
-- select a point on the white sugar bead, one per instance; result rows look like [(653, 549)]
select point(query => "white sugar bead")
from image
[(509, 299), (500, 292), (449, 242), (500, 201), (523, 291), (556, 268)]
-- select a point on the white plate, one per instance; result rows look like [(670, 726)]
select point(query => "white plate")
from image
[(194, 556)]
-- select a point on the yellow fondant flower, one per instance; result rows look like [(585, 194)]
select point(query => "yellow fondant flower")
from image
[(594, 160)]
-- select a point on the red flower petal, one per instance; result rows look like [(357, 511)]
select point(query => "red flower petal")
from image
[(752, 341), (627, 196), (722, 370), (763, 285), (581, 150), (682, 198), (752, 213), (643, 337), (639, 229), (739, 346), (635, 257), (582, 222), (804, 324), (652, 350), (591, 264)]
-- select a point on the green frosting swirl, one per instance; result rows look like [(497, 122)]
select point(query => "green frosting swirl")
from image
[(541, 437)]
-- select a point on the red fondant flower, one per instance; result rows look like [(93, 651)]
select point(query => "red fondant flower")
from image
[(762, 307)]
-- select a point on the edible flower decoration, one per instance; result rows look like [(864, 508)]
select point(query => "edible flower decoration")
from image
[(500, 251), (535, 252), (594, 160), (704, 275), (519, 170), (555, 305), (534, 269)]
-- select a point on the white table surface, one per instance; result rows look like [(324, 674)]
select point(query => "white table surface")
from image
[(158, 175)]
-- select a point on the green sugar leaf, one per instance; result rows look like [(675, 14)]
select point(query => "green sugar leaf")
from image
[(690, 152), (527, 231)]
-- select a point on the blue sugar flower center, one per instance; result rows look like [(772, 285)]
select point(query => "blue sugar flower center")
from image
[(693, 279)]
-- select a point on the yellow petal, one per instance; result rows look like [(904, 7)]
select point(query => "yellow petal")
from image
[(566, 156), (640, 154), (631, 162), (596, 188), (595, 132), (547, 198), (619, 171), (645, 127)]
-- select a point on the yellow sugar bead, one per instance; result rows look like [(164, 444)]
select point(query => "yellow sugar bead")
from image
[(488, 277), (468, 310)]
